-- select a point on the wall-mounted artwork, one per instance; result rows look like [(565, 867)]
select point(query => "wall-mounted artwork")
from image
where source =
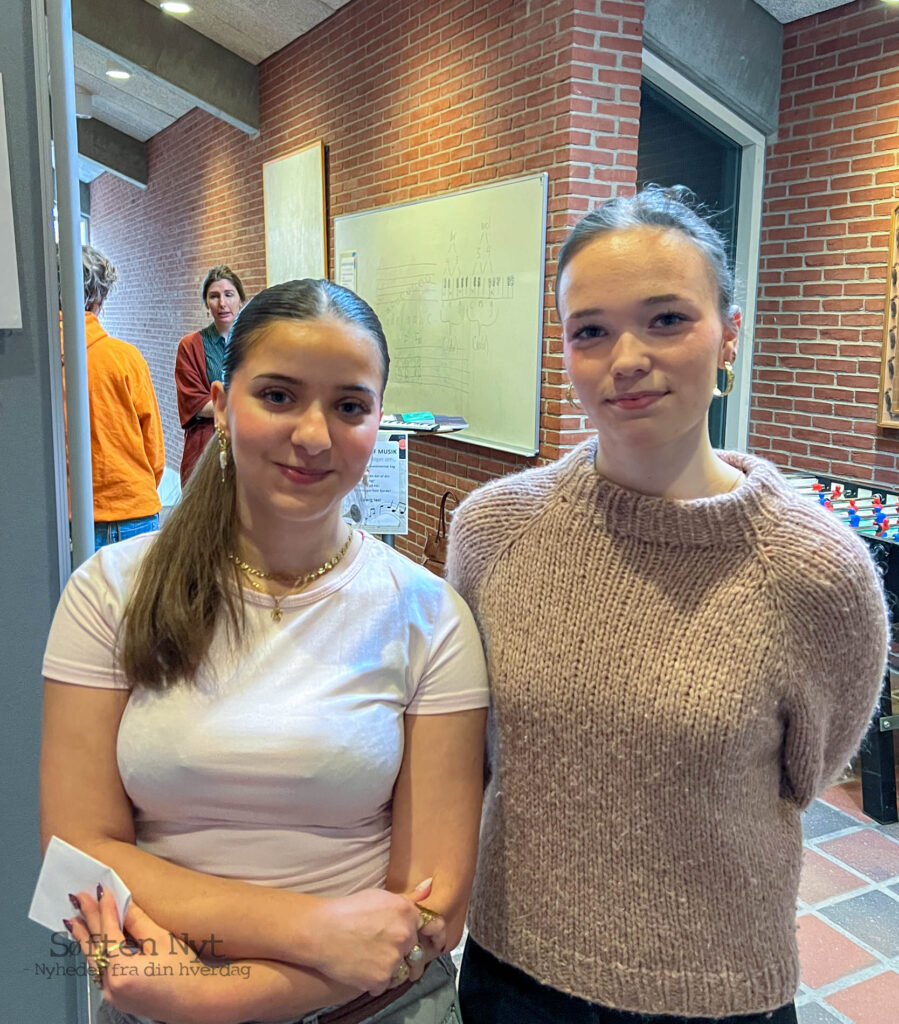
[(295, 229), (10, 307), (888, 405)]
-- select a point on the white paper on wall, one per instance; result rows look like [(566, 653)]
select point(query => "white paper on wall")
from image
[(10, 306), (380, 504)]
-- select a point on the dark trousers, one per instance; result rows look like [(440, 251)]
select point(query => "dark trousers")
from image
[(493, 992)]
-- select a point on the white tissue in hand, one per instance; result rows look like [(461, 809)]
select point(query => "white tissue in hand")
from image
[(65, 870)]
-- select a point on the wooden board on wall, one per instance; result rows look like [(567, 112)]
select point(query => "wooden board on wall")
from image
[(457, 282), (10, 306), (295, 231), (888, 401)]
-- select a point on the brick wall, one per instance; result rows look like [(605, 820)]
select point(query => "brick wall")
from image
[(412, 99), (831, 185)]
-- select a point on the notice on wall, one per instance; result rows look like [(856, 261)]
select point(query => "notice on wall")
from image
[(10, 305), (379, 503), (346, 269)]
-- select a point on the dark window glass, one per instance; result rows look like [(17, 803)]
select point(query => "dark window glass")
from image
[(675, 147)]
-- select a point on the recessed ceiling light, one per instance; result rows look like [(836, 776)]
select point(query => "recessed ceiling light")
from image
[(119, 74), (171, 7)]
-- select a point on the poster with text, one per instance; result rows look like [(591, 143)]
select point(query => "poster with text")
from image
[(380, 502)]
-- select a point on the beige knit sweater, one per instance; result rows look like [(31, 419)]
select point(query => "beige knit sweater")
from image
[(673, 682)]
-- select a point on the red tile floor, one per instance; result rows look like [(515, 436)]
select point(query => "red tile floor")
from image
[(848, 914)]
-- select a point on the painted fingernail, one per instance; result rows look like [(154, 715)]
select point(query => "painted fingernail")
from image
[(99, 892), (74, 901), (68, 925)]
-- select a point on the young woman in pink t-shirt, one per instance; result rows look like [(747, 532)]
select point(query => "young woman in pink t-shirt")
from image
[(270, 726)]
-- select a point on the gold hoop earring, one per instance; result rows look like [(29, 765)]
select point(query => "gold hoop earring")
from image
[(224, 450), (570, 399), (729, 385)]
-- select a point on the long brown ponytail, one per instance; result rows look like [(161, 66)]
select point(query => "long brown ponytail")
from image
[(185, 582)]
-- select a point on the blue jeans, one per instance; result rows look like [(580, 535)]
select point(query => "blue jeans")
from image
[(432, 1000), (109, 533), (491, 991)]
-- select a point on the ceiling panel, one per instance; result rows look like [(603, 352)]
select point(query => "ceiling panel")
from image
[(141, 106), (792, 10), (255, 30), (144, 104)]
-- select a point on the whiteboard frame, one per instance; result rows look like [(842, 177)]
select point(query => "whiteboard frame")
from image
[(543, 178), (314, 154)]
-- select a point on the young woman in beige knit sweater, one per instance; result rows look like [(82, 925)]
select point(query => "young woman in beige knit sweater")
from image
[(683, 653)]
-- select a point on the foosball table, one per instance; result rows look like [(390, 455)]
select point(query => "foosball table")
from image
[(873, 513)]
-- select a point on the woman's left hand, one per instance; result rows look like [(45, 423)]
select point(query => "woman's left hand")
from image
[(430, 944), (431, 933), (152, 973)]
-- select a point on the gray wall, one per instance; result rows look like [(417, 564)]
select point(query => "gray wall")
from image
[(28, 555), (731, 48)]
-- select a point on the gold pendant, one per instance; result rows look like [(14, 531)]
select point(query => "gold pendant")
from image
[(276, 612)]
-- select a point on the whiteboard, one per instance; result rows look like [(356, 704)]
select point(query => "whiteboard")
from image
[(10, 307), (294, 199), (457, 282)]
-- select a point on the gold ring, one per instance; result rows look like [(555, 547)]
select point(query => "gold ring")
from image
[(115, 947), (425, 915), (402, 972), (415, 954)]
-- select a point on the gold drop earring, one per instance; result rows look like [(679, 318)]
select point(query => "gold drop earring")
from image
[(224, 450), (729, 385)]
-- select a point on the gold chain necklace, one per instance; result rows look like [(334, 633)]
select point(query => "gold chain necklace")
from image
[(294, 583)]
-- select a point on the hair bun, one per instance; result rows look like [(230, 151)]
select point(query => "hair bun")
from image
[(680, 194)]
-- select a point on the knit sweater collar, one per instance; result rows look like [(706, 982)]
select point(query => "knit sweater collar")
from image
[(729, 519)]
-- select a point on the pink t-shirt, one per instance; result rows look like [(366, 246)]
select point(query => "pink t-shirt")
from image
[(278, 764)]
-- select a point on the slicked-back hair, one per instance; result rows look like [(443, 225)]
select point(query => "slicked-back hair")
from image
[(299, 301), (671, 208)]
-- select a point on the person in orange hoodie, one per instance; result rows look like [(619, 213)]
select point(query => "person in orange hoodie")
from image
[(127, 448)]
